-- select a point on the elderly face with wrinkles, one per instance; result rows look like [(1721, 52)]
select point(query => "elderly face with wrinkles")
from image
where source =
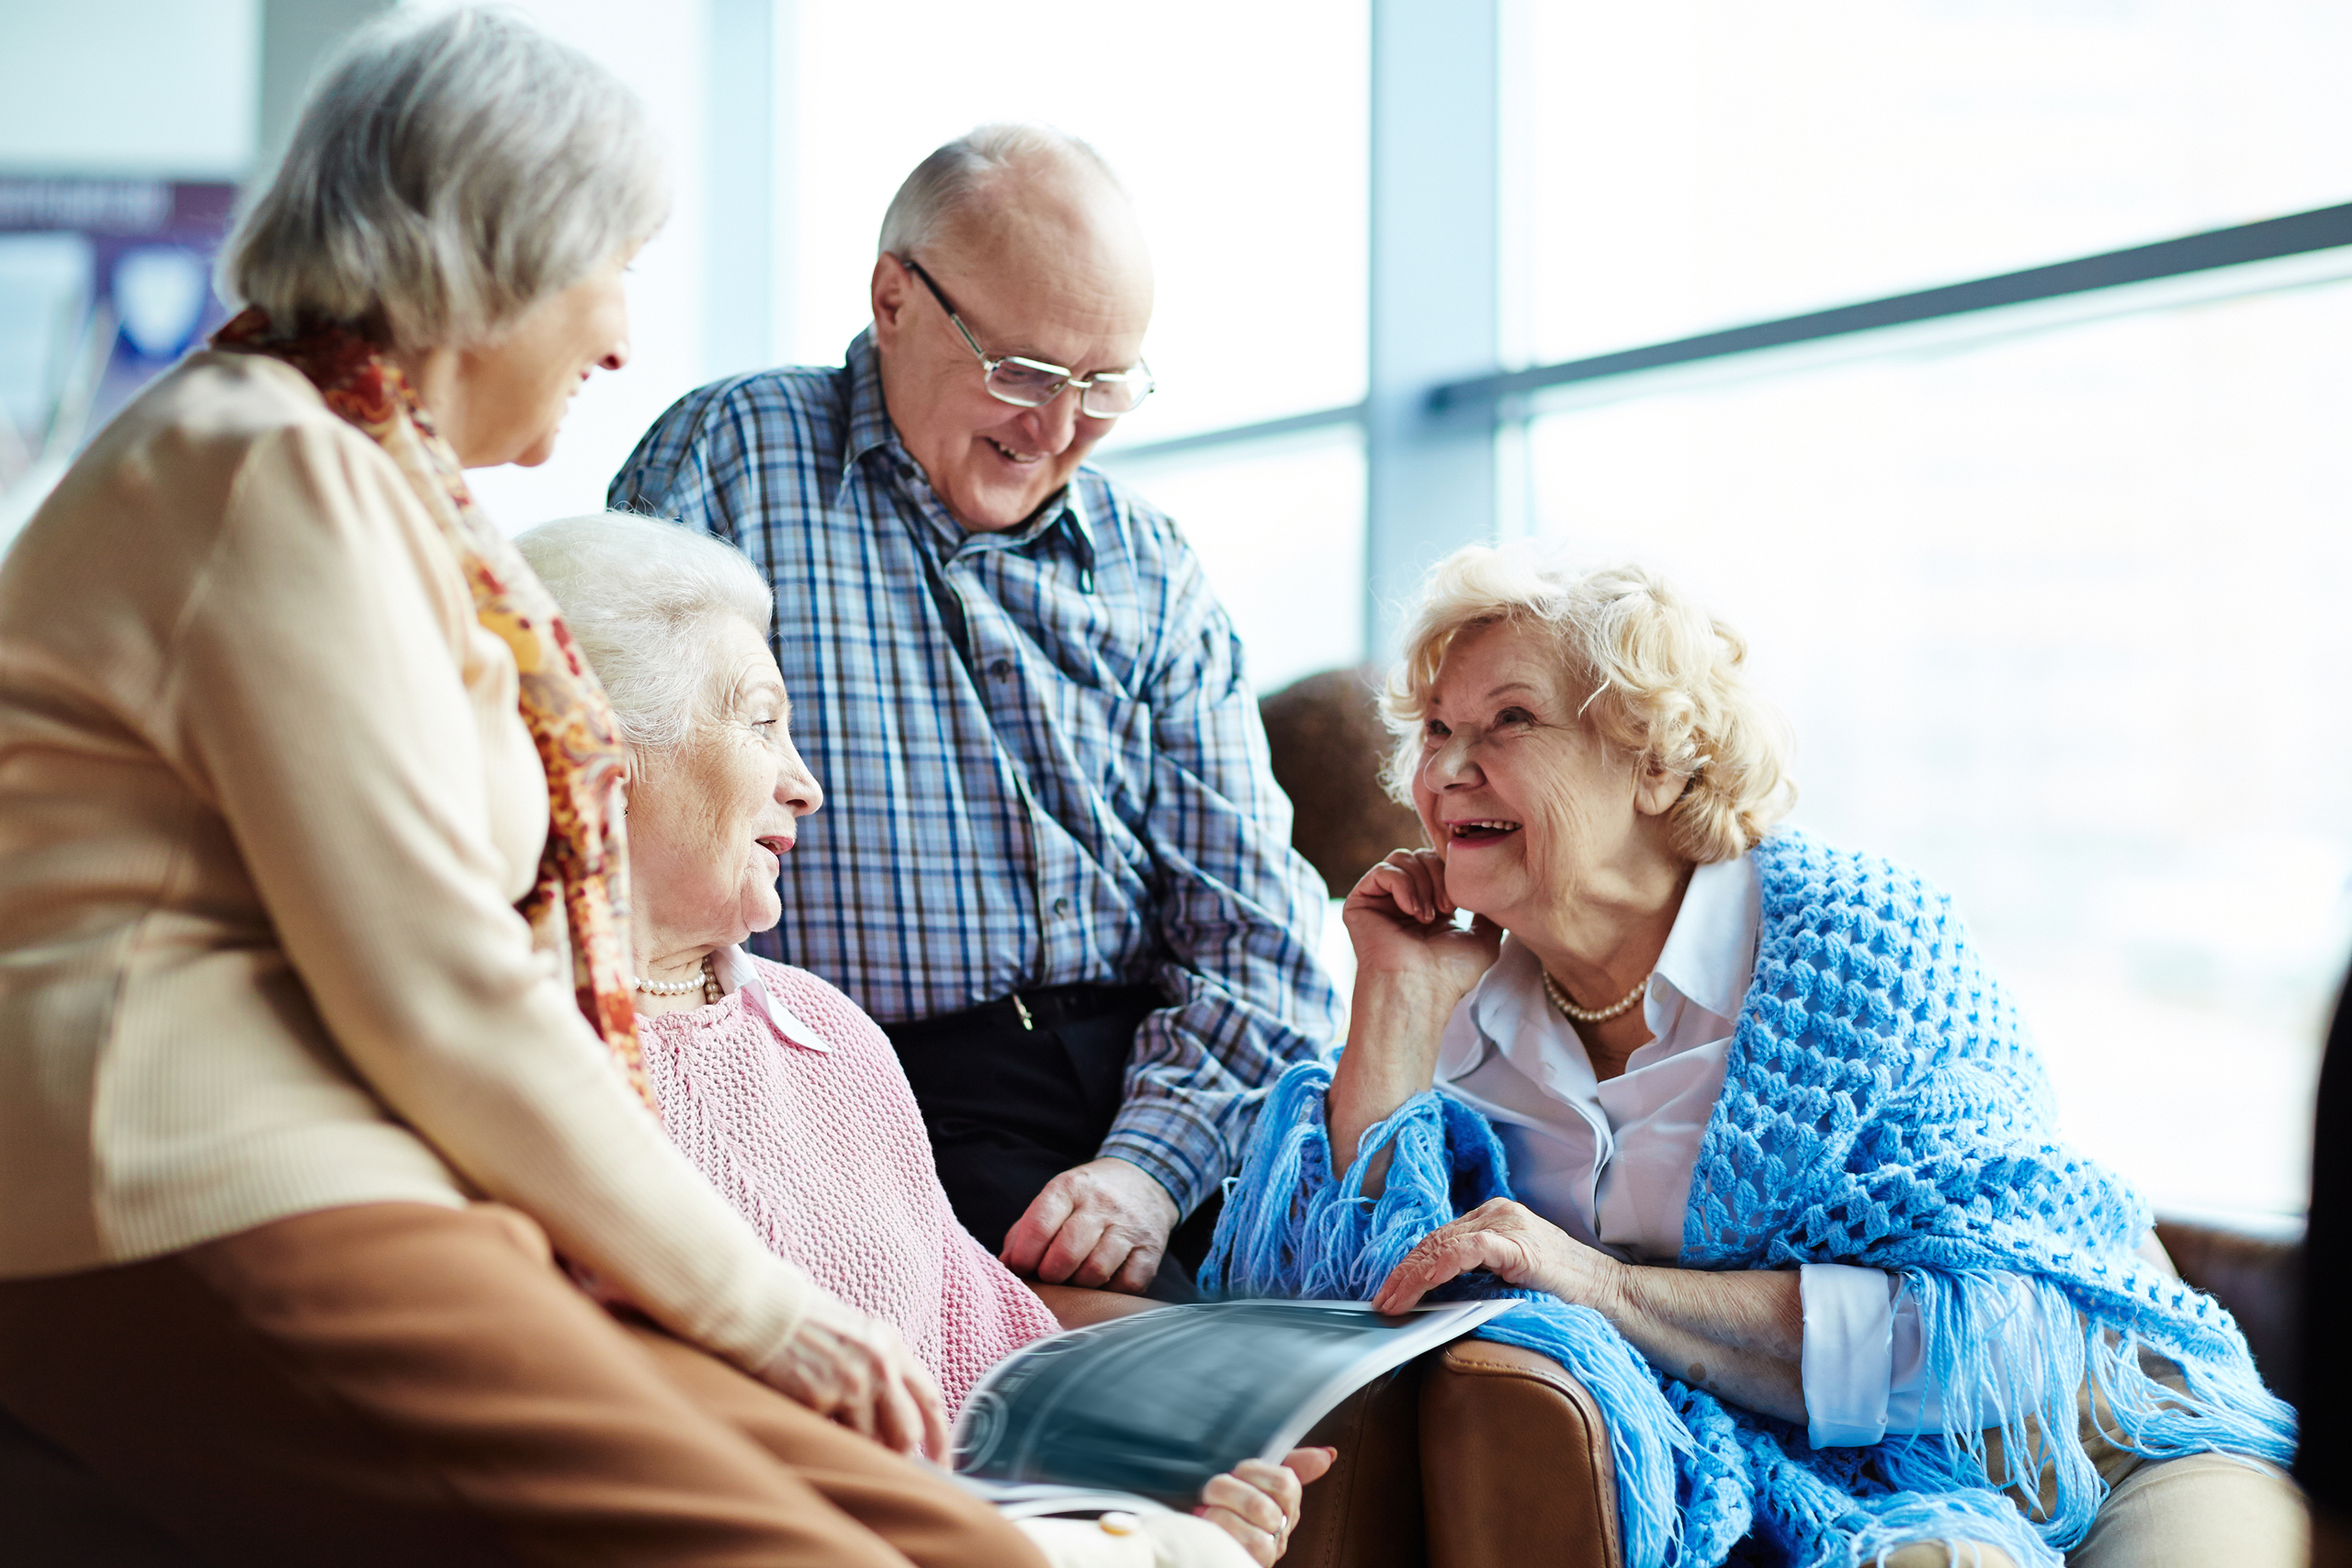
[(1047, 264), (708, 820)]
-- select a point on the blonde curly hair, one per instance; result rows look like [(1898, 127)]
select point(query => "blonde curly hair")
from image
[(1663, 683)]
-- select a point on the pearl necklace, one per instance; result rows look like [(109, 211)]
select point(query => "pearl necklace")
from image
[(1592, 1015), (703, 982)]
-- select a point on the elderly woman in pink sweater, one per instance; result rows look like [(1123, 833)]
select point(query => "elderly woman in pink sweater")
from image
[(781, 1090)]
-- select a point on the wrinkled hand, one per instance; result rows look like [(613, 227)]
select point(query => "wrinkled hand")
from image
[(1401, 922), (1257, 1504), (1102, 1224), (858, 1371), (1514, 1244)]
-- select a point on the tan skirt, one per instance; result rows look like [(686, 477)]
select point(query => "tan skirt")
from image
[(400, 1384)]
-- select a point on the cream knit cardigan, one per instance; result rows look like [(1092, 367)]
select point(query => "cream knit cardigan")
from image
[(265, 806)]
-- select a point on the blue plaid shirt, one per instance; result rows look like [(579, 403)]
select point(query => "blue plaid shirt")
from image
[(1070, 785)]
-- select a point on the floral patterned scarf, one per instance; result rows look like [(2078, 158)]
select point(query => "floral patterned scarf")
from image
[(580, 902)]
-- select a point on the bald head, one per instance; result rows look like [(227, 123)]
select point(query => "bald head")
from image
[(979, 170), (1031, 237)]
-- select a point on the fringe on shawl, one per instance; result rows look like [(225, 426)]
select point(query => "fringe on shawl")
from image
[(1289, 1229), (1695, 1475), (2027, 1347)]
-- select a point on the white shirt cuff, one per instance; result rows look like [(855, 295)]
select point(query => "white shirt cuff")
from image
[(1911, 1404), (1915, 1405), (1849, 1352)]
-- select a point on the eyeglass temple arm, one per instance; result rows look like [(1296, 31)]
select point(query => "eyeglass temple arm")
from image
[(1070, 377), (941, 295)]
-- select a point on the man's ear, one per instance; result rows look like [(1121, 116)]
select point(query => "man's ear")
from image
[(890, 289), (1656, 788)]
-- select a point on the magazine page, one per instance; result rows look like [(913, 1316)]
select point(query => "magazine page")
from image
[(1156, 1404)]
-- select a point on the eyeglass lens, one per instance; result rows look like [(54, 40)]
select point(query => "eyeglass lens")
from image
[(1027, 384)]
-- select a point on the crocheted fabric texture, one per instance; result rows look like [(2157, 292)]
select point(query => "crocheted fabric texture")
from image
[(1882, 1106), (824, 1153)]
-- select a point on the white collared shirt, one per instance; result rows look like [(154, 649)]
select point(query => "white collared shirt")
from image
[(1611, 1163)]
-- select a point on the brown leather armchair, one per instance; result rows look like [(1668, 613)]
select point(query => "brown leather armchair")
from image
[(1477, 1456)]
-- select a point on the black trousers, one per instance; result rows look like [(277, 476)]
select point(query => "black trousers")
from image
[(1015, 1092)]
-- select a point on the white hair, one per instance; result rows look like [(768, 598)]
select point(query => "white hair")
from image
[(644, 599), (960, 173), (1662, 682), (445, 173)]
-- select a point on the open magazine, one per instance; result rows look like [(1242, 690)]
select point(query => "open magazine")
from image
[(1142, 1411)]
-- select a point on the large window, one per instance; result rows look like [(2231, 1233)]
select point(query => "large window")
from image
[(2057, 619), (1703, 164), (1279, 528), (2055, 609)]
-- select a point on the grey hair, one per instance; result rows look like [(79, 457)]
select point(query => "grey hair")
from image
[(445, 173), (643, 598), (952, 178)]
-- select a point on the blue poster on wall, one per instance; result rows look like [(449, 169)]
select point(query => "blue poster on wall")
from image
[(103, 285)]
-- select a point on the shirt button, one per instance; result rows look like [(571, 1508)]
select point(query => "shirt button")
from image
[(1000, 668), (1061, 908)]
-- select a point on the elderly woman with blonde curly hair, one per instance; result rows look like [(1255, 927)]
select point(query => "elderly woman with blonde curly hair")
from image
[(1748, 1122)]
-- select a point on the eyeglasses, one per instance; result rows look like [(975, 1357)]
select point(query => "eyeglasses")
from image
[(1032, 383)]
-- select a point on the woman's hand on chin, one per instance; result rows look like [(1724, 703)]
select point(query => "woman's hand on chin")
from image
[(857, 1371), (1412, 968), (1401, 922), (1518, 1246)]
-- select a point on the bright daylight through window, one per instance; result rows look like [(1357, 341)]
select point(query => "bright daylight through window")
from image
[(2055, 613)]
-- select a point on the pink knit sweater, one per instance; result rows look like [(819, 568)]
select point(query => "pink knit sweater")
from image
[(799, 1113)]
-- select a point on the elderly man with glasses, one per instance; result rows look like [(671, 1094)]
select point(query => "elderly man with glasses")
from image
[(1053, 862)]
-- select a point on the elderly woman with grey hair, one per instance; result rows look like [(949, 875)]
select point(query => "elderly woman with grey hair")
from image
[(316, 1045), (785, 1095), (1748, 1122)]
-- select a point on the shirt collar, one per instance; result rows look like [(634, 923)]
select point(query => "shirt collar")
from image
[(1710, 955), (1509, 1007), (1708, 958), (869, 417), (870, 429), (737, 972)]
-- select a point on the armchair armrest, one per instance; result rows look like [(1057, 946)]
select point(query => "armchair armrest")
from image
[(1367, 1511), (1077, 1306), (2260, 1280), (1515, 1462)]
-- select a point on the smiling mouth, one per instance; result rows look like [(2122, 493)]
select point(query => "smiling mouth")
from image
[(1484, 830), (779, 846), (1010, 455)]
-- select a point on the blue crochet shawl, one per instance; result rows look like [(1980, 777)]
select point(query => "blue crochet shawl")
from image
[(1882, 1106)]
